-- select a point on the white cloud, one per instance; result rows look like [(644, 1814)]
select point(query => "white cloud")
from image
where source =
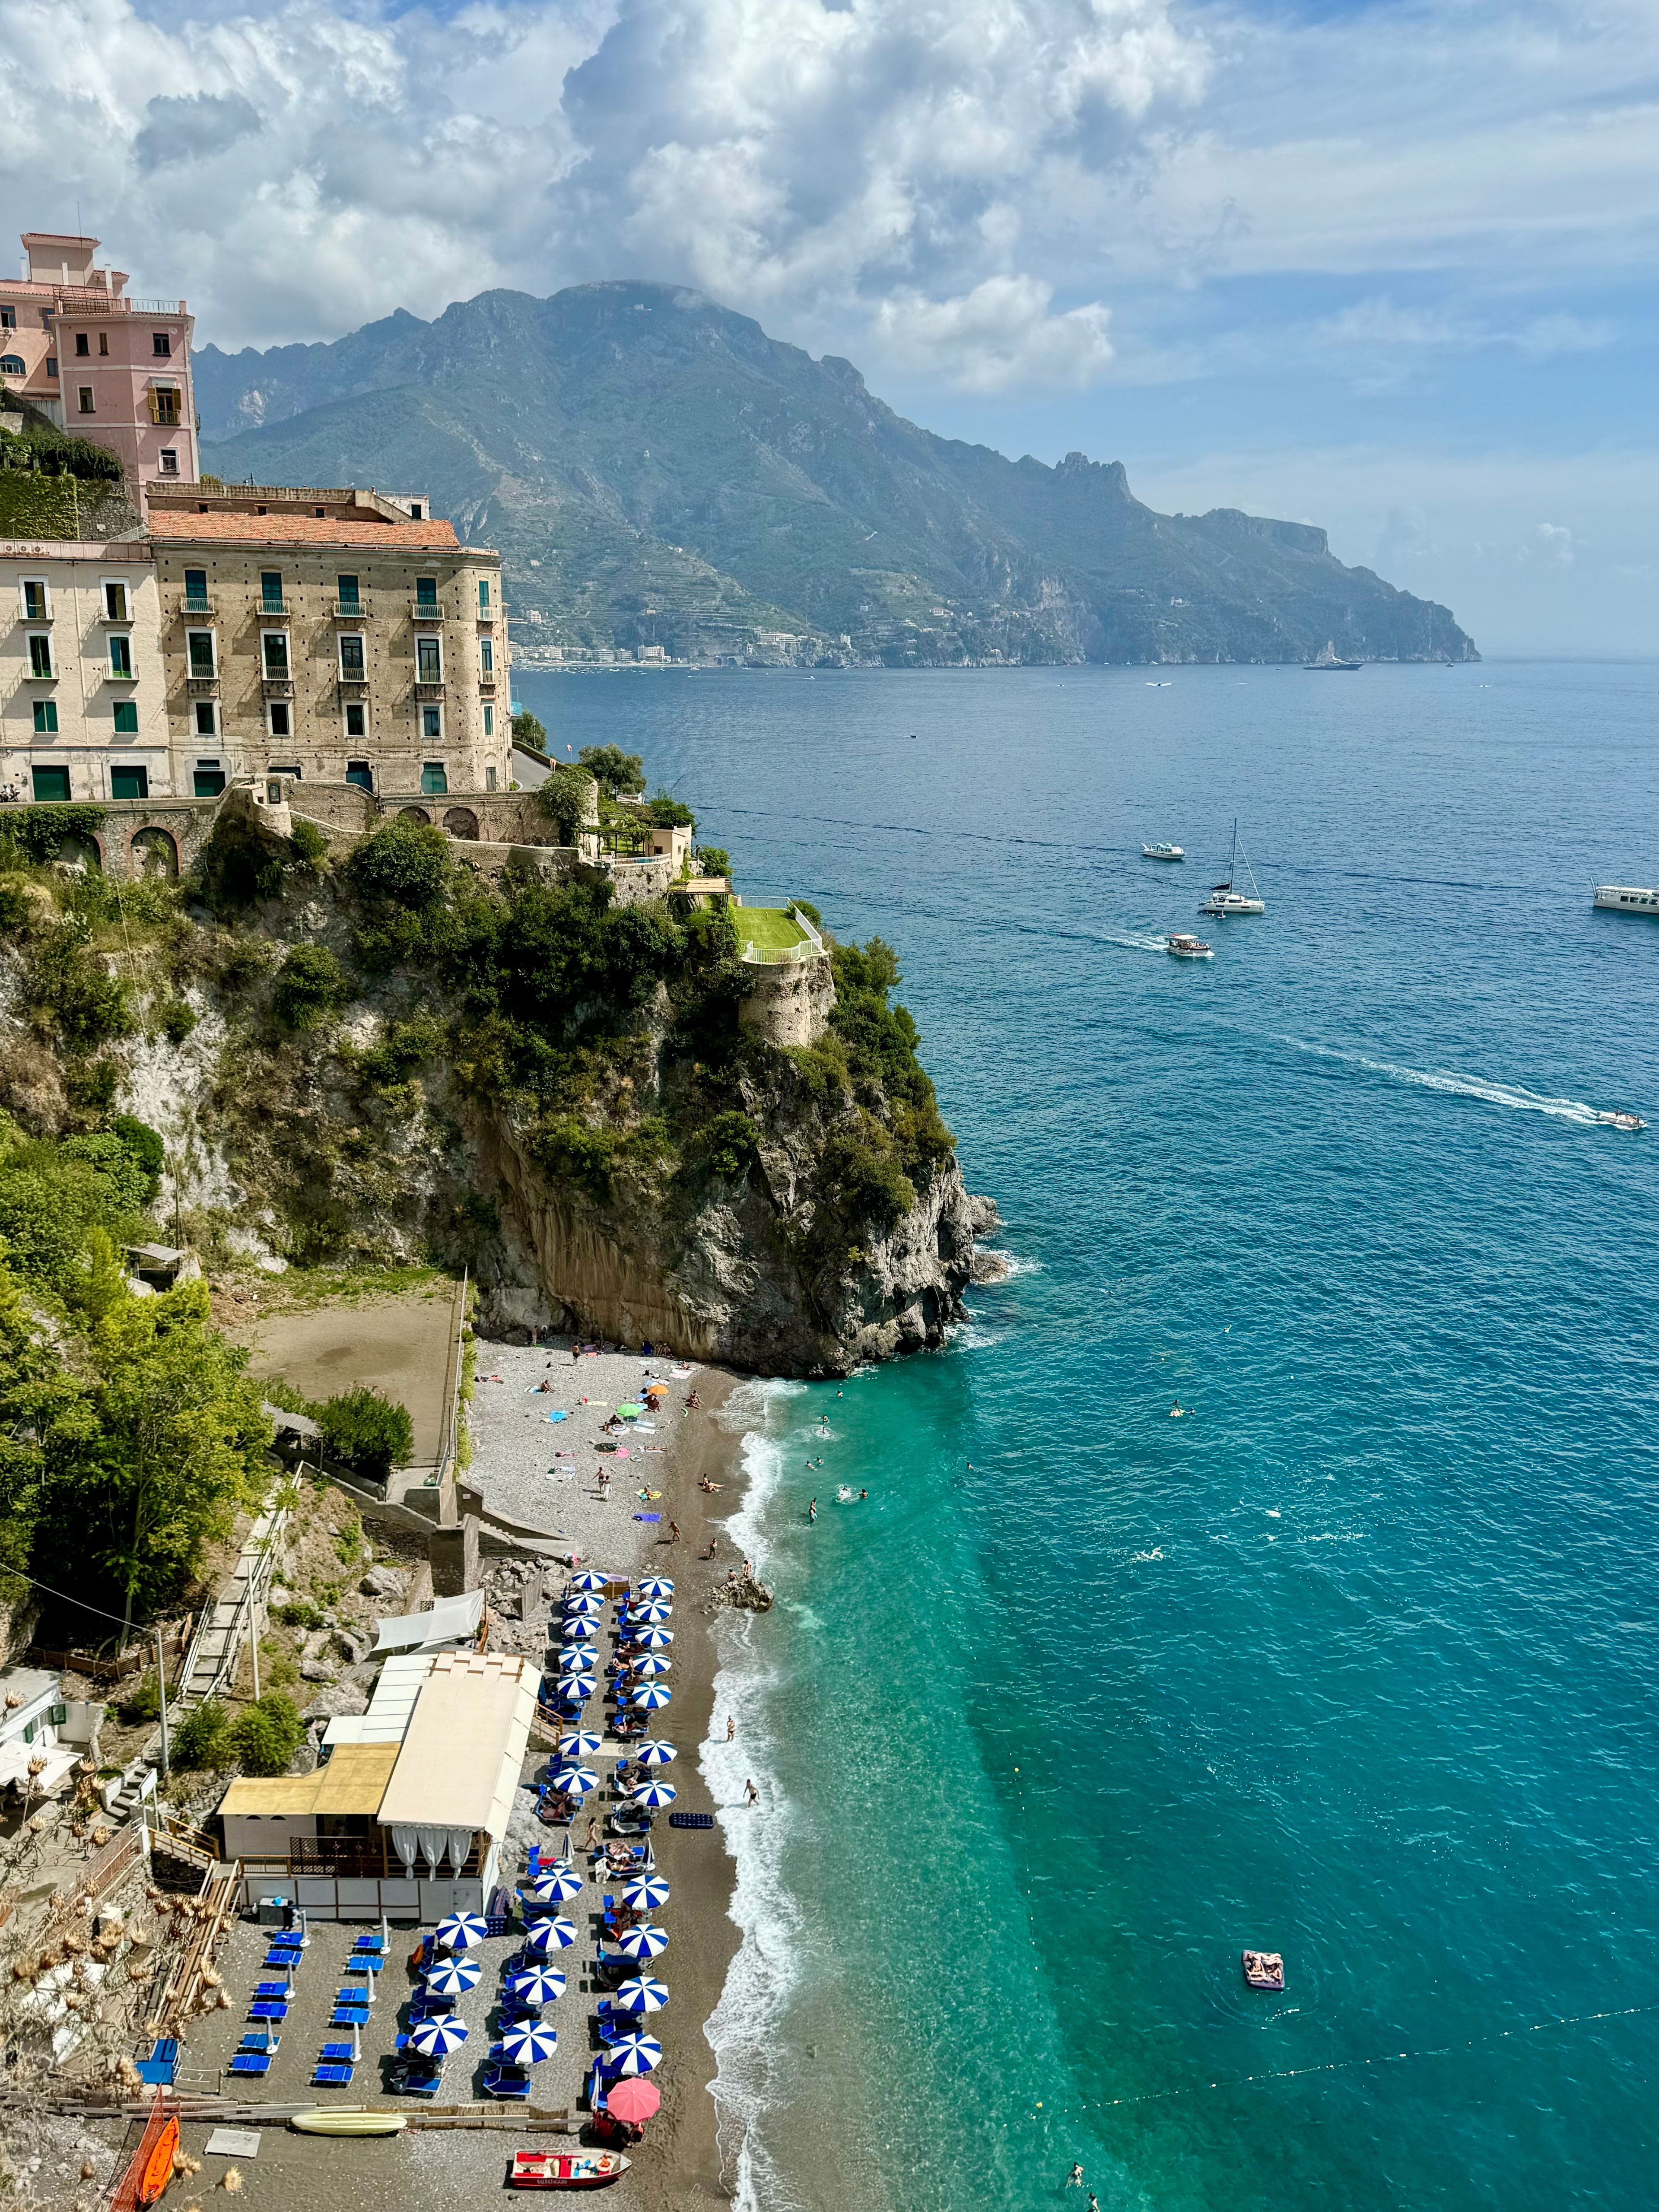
[(1000, 334)]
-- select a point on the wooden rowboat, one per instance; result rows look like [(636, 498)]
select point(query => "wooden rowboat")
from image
[(566, 2169), (345, 2120)]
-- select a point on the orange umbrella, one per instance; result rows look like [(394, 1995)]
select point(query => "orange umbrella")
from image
[(633, 2101)]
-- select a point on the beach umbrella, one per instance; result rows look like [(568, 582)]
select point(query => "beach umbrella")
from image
[(657, 1586), (651, 1696), (654, 1639), (582, 1745), (641, 1994), (629, 1412), (633, 2101), (646, 1891), (453, 1977), (537, 1986), (578, 1685), (591, 1581), (632, 2054), (438, 2038), (527, 2044), (652, 1614), (652, 1665), (656, 1751), (460, 1931), (557, 1934), (577, 1630), (582, 1660), (583, 1606), (653, 1793), (647, 1942), (575, 1781), (553, 1888)]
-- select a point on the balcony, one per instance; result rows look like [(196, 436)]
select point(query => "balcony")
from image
[(116, 621), (354, 687), (426, 610), (348, 611), (273, 611), (202, 687), (487, 686), (429, 694), (191, 605), (121, 676), (277, 687)]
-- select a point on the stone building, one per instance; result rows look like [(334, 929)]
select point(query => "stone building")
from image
[(82, 699)]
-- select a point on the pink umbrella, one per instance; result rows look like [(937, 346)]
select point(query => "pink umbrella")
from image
[(633, 2101)]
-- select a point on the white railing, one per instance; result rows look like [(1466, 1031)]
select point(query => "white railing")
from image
[(786, 956)]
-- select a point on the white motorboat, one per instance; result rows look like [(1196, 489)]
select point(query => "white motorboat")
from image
[(1163, 852), (1622, 1120), (1227, 899), (1188, 948), (1627, 898)]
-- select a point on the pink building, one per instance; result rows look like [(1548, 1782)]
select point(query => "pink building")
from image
[(103, 366)]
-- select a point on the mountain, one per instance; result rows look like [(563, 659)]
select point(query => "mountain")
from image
[(656, 470)]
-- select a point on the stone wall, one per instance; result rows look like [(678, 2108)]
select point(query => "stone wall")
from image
[(790, 1003)]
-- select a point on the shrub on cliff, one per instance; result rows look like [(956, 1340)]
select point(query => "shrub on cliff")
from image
[(864, 1182), (310, 985), (366, 1431), (407, 864), (567, 800), (264, 1737), (880, 1044), (70, 993)]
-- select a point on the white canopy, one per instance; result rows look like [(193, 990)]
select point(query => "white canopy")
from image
[(448, 1620)]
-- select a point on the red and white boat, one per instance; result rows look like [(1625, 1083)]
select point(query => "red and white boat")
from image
[(567, 2169)]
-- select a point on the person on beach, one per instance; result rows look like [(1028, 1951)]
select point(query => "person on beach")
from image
[(754, 1794), (731, 1729), (673, 1531), (709, 1553)]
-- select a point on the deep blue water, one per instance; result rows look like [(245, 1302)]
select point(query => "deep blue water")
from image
[(1355, 1660)]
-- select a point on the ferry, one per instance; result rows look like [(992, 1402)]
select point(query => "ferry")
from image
[(1627, 898), (1188, 948), (1163, 852)]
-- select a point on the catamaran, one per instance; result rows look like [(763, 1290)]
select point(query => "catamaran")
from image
[(1225, 898)]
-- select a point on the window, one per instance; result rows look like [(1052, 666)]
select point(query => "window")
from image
[(203, 660), (11, 364), (128, 783), (425, 592), (433, 781), (196, 588), (490, 778), (352, 669), (37, 600), (489, 719), (46, 718), (57, 1714), (7, 318), (357, 718), (160, 345), (169, 461), (31, 1730), (360, 774), (82, 343), (274, 645), (40, 655), (428, 660), (115, 603), (487, 660), (50, 783), (209, 782), (51, 364), (432, 721), (281, 719), (120, 654), (103, 342), (484, 595), (270, 590), (349, 599), (164, 406), (126, 719), (207, 718), (415, 513), (85, 400)]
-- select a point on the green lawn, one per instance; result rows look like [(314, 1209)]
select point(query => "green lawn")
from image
[(768, 928)]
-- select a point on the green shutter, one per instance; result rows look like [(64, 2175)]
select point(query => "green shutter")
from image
[(126, 717)]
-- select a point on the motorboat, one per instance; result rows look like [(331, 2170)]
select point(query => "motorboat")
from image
[(1163, 852), (1627, 898), (1227, 899), (1329, 659), (567, 2169), (1188, 948), (1622, 1120), (1264, 1970)]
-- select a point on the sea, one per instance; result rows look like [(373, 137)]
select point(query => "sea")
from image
[(1268, 1561)]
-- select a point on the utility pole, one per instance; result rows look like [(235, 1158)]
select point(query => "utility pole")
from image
[(162, 1687)]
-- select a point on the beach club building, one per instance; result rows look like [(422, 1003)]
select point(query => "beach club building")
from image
[(406, 1817)]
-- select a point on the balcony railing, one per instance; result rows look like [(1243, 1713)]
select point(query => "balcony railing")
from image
[(273, 611), (354, 687), (202, 687), (426, 610), (193, 605), (349, 610), (430, 692), (277, 687)]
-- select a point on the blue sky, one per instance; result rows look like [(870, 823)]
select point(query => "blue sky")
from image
[(1387, 268)]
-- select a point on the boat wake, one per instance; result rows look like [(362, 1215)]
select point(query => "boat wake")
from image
[(1135, 944), (1515, 1096)]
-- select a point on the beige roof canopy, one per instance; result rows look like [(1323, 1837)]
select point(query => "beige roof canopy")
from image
[(459, 1761), (352, 1781)]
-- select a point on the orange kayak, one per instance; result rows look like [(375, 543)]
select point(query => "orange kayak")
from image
[(158, 2167)]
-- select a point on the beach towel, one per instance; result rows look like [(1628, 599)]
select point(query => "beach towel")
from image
[(647, 1516), (558, 1416)]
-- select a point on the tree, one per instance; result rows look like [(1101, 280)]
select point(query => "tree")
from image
[(264, 1737), (713, 859), (368, 1432), (670, 813), (407, 862), (612, 769), (529, 731), (568, 798)]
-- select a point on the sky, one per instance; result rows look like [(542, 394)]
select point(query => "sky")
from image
[(1387, 268)]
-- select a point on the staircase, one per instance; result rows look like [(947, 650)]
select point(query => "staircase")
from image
[(210, 1662)]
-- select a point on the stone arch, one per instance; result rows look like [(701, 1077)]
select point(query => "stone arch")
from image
[(461, 822), (154, 853), (413, 814), (80, 853)]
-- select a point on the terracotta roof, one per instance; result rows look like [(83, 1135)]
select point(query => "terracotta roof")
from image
[(299, 529)]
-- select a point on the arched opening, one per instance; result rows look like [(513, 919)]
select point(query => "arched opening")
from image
[(413, 814), (154, 853), (461, 822)]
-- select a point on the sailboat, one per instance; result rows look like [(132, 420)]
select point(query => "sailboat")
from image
[(1226, 898)]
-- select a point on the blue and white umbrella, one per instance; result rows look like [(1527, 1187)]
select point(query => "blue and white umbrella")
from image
[(633, 2054), (656, 1586), (576, 1689), (590, 1578), (582, 1745), (651, 1615), (646, 1891), (557, 1934), (654, 1639), (461, 1931), (649, 1941), (657, 1751), (653, 1793), (438, 2038), (650, 1697), (537, 1986), (453, 1977), (576, 1632), (584, 1604), (641, 1994), (575, 1781), (581, 1659), (526, 2045), (652, 1665), (554, 1886)]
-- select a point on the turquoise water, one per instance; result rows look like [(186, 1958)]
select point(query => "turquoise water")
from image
[(1355, 1660)]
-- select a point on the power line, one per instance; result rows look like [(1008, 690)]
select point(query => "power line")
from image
[(67, 1600)]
